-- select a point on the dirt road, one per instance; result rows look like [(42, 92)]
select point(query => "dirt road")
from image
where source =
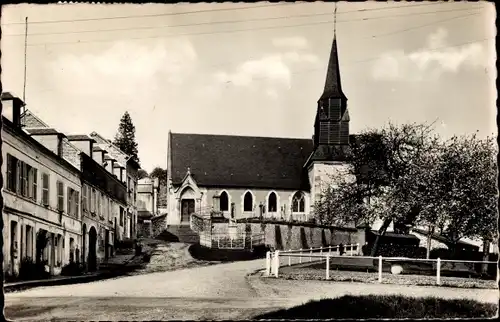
[(221, 291)]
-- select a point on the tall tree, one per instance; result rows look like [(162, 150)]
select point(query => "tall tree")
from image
[(125, 137)]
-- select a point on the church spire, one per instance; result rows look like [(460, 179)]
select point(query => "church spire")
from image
[(333, 88)]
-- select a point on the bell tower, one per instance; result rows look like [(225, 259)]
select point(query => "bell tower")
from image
[(331, 130), (331, 126)]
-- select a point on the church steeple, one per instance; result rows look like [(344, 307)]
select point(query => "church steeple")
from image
[(332, 117), (333, 87)]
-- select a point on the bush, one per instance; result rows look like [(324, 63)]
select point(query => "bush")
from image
[(72, 269), (396, 250), (30, 270)]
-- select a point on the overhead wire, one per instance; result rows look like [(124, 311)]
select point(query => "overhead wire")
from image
[(232, 30), (209, 10)]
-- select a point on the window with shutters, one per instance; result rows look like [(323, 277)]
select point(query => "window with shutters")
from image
[(99, 203), (12, 173), (77, 204), (84, 198), (24, 179), (45, 189), (60, 196), (34, 184), (71, 199)]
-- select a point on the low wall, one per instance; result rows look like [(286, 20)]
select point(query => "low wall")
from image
[(296, 236), (159, 224)]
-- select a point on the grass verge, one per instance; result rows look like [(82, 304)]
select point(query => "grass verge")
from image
[(313, 273), (391, 307)]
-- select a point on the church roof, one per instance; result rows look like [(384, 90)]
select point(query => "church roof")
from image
[(333, 88), (240, 161)]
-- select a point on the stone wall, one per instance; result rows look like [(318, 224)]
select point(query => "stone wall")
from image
[(159, 224), (296, 236)]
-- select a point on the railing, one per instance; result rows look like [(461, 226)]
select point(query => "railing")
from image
[(242, 241), (273, 261)]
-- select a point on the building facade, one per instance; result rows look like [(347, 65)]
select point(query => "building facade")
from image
[(42, 213), (126, 170), (64, 200), (147, 205)]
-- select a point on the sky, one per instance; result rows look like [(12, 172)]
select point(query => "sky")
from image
[(253, 69)]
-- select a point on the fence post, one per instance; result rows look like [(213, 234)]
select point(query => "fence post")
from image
[(310, 254), (300, 257), (230, 242), (330, 250), (268, 263), (218, 241), (289, 258), (438, 271), (357, 248), (277, 263), (380, 269), (327, 267)]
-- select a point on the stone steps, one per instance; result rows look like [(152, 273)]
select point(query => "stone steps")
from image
[(183, 233)]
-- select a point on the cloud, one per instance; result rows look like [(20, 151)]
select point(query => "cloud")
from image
[(294, 42), (431, 61), (274, 68), (127, 66)]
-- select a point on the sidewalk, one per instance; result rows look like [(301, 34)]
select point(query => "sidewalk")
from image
[(112, 268)]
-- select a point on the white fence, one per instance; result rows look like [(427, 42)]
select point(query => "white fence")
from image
[(325, 254)]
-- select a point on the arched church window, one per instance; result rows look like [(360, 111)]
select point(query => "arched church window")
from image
[(298, 202), (272, 203), (248, 202), (224, 201)]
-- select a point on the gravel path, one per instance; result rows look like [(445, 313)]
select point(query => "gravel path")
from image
[(219, 291)]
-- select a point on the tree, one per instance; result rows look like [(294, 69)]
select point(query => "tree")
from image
[(469, 196), (125, 137), (161, 174), (384, 163), (141, 174)]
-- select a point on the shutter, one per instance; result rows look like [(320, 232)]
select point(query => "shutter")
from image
[(77, 203), (69, 210), (35, 184)]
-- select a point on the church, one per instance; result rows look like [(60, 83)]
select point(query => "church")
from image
[(253, 176)]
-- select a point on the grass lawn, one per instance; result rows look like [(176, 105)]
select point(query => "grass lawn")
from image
[(316, 271), (390, 307)]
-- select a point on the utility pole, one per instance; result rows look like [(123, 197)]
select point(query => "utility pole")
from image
[(25, 55)]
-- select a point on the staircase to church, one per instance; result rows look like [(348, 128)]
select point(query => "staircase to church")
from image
[(180, 233)]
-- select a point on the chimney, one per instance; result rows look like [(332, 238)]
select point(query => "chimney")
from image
[(48, 137), (11, 108), (83, 142)]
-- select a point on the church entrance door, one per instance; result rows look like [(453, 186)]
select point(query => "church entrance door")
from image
[(187, 208)]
